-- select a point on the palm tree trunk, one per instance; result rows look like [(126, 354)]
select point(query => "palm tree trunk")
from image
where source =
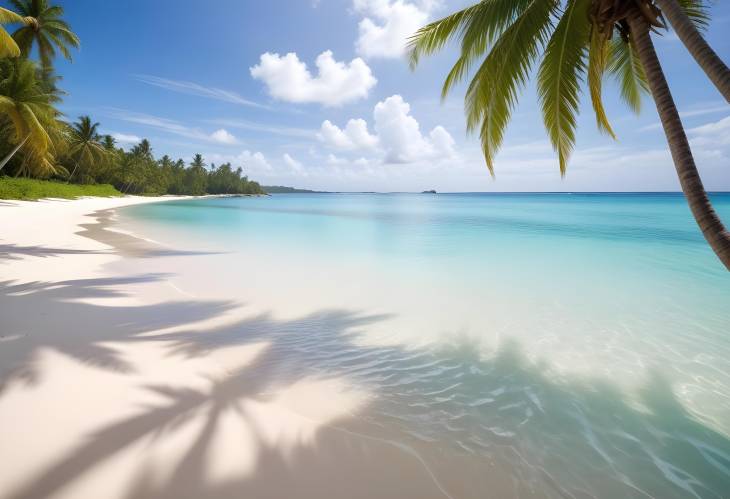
[(73, 172), (711, 64), (689, 178), (12, 153)]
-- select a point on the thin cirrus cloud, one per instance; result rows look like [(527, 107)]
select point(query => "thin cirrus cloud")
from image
[(191, 88), (397, 137), (263, 128), (220, 136), (387, 24), (288, 79), (691, 113)]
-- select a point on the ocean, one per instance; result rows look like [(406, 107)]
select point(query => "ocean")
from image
[(520, 345)]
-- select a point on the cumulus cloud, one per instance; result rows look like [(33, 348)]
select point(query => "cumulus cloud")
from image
[(387, 25), (397, 137), (292, 163), (223, 136), (354, 136), (288, 79)]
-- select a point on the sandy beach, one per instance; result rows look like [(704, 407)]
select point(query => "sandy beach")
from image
[(96, 401)]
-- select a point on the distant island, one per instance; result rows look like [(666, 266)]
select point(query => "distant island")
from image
[(429, 192), (280, 189)]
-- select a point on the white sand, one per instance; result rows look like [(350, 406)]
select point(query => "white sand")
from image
[(94, 403)]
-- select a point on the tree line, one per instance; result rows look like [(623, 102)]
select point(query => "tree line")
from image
[(37, 142)]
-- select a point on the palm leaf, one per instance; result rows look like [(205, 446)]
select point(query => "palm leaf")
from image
[(624, 64), (697, 11), (598, 54), (8, 47), (480, 28), (493, 92)]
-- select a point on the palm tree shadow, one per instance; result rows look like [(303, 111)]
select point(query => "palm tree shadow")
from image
[(53, 315), (16, 252), (451, 416)]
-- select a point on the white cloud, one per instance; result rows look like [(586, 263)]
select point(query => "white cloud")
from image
[(123, 138), (260, 127), (400, 135), (292, 163), (387, 25), (251, 162), (223, 136), (397, 138), (354, 136), (190, 88), (288, 79), (174, 127), (711, 136)]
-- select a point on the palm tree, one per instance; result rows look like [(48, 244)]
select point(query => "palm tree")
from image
[(49, 33), (84, 147), (8, 47), (28, 109), (109, 143), (574, 40), (686, 30)]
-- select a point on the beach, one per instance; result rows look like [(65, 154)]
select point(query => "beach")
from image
[(279, 347), (85, 412)]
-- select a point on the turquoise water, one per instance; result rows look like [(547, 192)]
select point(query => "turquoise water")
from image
[(530, 345)]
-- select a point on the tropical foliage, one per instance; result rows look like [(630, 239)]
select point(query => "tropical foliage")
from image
[(37, 142), (571, 44), (49, 33)]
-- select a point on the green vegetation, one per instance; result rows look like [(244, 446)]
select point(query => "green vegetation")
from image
[(574, 42), (33, 189), (36, 143), (280, 189)]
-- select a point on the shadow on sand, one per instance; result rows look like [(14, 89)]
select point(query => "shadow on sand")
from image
[(439, 419)]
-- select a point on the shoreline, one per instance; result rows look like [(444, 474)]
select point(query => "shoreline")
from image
[(88, 341)]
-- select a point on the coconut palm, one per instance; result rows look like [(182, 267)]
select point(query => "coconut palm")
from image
[(676, 13), (574, 41), (84, 147), (50, 33), (29, 111), (8, 47)]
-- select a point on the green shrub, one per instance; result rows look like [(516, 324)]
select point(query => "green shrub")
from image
[(30, 189)]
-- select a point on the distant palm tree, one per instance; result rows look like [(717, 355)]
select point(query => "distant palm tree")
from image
[(84, 147), (49, 33), (573, 40), (28, 109), (109, 142), (197, 162), (8, 47), (143, 150)]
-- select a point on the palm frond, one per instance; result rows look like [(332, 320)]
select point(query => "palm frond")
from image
[(8, 46), (8, 16), (560, 76), (625, 66), (697, 11), (493, 92), (480, 28), (598, 53)]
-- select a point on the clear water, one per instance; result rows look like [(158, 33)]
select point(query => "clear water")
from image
[(522, 345)]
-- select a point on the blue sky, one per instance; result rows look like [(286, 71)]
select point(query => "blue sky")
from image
[(215, 78)]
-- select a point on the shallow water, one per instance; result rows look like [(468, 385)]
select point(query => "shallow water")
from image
[(546, 345)]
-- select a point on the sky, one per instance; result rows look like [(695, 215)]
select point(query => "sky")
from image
[(318, 94)]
